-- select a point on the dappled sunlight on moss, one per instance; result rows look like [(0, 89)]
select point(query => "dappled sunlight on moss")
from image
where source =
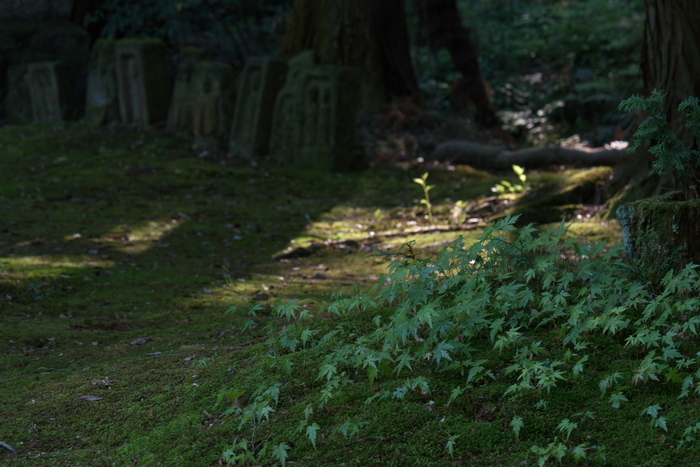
[(128, 276), (139, 238), (47, 267)]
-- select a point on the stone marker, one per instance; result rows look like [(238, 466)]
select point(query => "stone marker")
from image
[(285, 139), (314, 122), (47, 83), (26, 42), (102, 102), (252, 122), (18, 101), (142, 81), (213, 98), (330, 105), (182, 104)]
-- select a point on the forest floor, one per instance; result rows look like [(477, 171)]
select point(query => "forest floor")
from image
[(127, 265)]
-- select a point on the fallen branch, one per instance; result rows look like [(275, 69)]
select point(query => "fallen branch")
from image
[(484, 156)]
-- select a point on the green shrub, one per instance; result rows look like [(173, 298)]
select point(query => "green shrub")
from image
[(671, 155), (522, 315)]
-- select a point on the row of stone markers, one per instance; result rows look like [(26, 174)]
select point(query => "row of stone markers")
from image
[(297, 112)]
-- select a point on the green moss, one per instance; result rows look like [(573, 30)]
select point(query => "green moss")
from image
[(661, 233), (112, 235)]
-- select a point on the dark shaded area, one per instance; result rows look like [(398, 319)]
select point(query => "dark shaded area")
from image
[(442, 21)]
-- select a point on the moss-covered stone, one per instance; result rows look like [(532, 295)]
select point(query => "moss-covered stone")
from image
[(142, 81), (182, 103), (557, 195), (49, 92), (102, 102), (262, 79), (213, 103), (285, 138), (314, 124), (24, 42), (661, 232)]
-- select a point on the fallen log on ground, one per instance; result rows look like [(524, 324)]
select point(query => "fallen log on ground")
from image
[(483, 156)]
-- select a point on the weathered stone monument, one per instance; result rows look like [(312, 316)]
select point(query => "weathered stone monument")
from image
[(285, 138), (18, 102), (25, 42), (48, 91), (102, 102), (181, 112), (331, 102), (142, 81), (314, 121), (213, 99), (252, 122)]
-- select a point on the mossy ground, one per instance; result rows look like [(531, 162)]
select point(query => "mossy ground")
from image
[(122, 250)]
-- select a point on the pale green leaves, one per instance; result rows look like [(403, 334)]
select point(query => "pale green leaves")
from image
[(279, 452), (616, 399), (450, 445), (517, 424), (656, 421), (504, 186), (423, 182), (311, 432)]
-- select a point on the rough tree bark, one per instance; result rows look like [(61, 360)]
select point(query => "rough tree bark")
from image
[(370, 35), (442, 23), (671, 55), (670, 63)]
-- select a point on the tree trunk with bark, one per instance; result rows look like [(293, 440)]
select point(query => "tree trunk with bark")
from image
[(369, 35), (442, 23), (671, 56), (671, 64)]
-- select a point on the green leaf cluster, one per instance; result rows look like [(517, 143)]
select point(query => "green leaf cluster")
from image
[(504, 186), (524, 310), (423, 182), (671, 154)]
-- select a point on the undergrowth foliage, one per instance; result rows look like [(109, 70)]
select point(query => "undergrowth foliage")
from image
[(525, 309)]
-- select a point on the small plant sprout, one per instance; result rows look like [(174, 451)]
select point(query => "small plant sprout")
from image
[(617, 398), (423, 182), (556, 450), (459, 212), (238, 452), (672, 155), (567, 426), (504, 186), (450, 445), (520, 172), (279, 452), (517, 424), (541, 404), (311, 431), (656, 421)]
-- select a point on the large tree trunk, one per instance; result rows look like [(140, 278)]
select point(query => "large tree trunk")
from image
[(441, 20), (369, 35), (671, 55), (670, 63)]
